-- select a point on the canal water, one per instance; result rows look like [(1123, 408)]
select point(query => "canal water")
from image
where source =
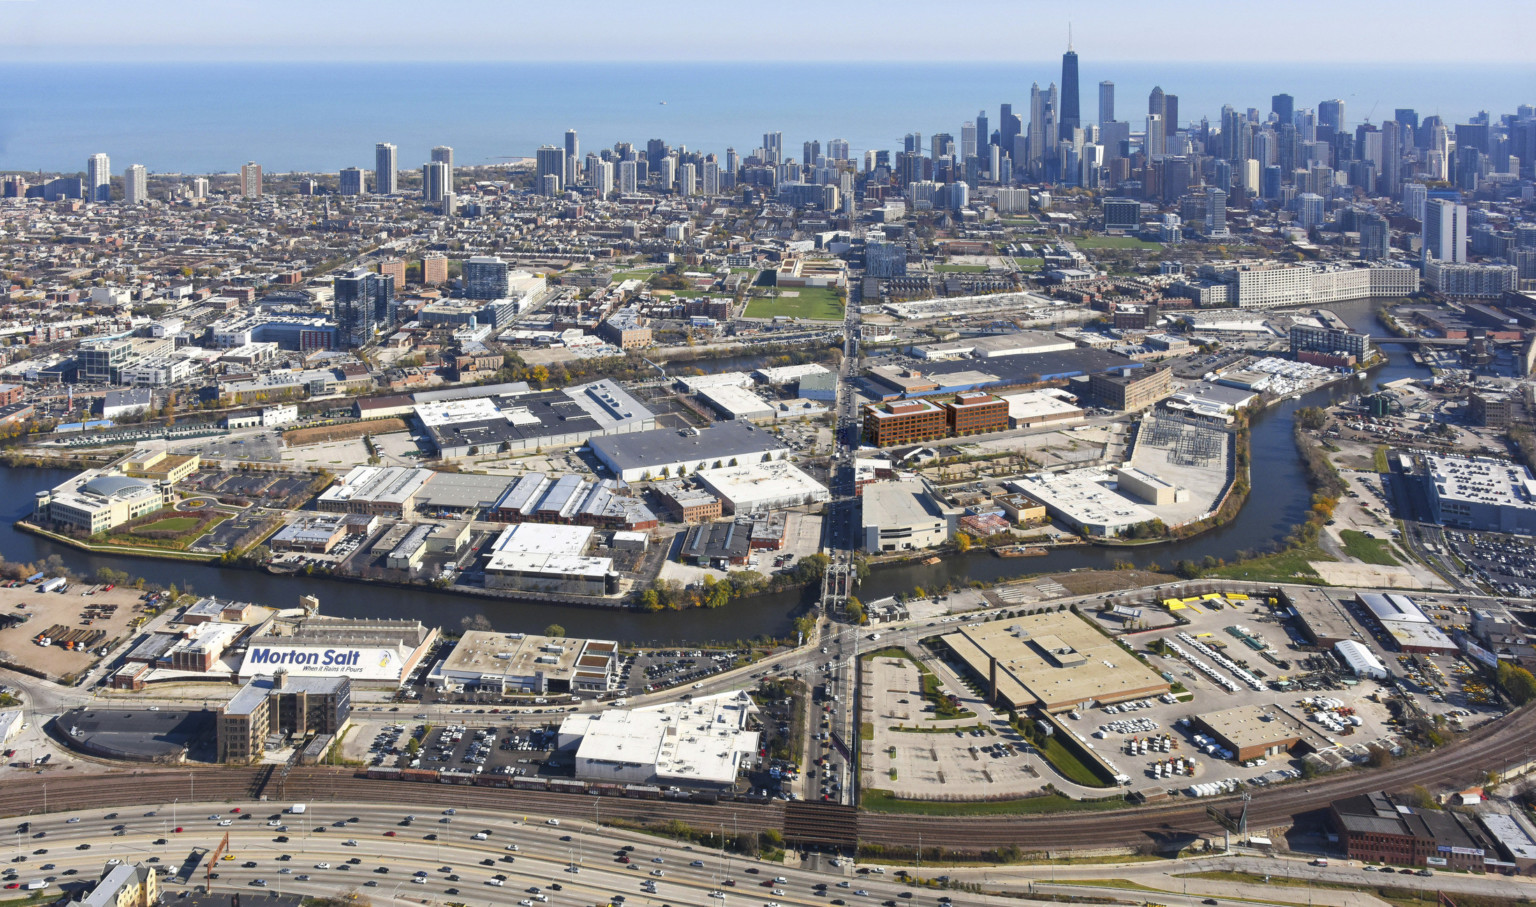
[(1279, 500)]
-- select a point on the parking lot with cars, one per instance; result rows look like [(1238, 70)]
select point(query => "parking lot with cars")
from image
[(1505, 562)]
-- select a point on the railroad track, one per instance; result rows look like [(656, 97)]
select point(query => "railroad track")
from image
[(1465, 760)]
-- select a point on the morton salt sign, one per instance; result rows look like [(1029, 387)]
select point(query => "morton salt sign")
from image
[(359, 663)]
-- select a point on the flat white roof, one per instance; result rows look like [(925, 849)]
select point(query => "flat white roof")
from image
[(753, 482), (543, 538), (392, 484), (1482, 480), (1034, 404), (1085, 496), (703, 740), (452, 412)]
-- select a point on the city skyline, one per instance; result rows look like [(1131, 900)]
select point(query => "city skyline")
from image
[(93, 30)]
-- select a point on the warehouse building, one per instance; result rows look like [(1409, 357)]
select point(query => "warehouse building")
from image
[(525, 663), (1378, 828), (1131, 390), (537, 497), (378, 490), (532, 557), (281, 704), (1259, 732), (1480, 493), (1055, 661), (1360, 660), (901, 516), (689, 505), (318, 533), (1043, 407), (1399, 618), (382, 651), (755, 487), (519, 419), (737, 403), (698, 743), (461, 494), (647, 455), (1084, 499)]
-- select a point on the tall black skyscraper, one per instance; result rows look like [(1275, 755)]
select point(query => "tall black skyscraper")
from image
[(1283, 106), (1071, 117)]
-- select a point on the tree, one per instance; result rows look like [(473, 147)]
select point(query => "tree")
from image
[(856, 611), (554, 630), (962, 542), (1517, 682)]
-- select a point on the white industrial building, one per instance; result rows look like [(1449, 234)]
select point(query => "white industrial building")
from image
[(1480, 493), (991, 345), (1400, 618), (545, 557), (1085, 498), (1051, 406), (901, 516), (702, 742), (525, 663), (758, 487), (788, 374), (737, 403), (1359, 659), (664, 452), (377, 490)]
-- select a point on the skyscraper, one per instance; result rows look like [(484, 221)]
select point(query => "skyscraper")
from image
[(1007, 128), (1155, 142), (434, 181), (602, 178), (1445, 231), (1070, 116), (1375, 237), (250, 180), (711, 177), (967, 140), (134, 191), (809, 152), (629, 182), (983, 132), (1106, 102), (837, 149), (549, 161), (1170, 114), (443, 154), (485, 277), (1283, 106), (1331, 115), (98, 178), (364, 302), (773, 147), (572, 172), (686, 184), (385, 169), (1215, 212), (351, 180)]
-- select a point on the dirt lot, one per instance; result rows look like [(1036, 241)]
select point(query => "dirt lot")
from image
[(44, 610), (301, 436)]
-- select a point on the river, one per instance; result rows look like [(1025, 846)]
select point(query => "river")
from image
[(1279, 500)]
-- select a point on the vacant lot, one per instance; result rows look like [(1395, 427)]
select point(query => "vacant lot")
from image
[(44, 610), (818, 303), (1362, 547), (322, 433), (1113, 242)]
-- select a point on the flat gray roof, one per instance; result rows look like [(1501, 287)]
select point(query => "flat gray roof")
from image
[(461, 491), (671, 445)]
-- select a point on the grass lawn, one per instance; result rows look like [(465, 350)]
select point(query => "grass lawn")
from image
[(1071, 767), (1363, 548), (961, 269), (169, 524), (635, 274), (1289, 566), (817, 303), (1379, 460), (1029, 264), (1114, 242), (881, 801)]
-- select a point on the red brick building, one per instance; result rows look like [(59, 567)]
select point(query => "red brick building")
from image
[(906, 422), (975, 413)]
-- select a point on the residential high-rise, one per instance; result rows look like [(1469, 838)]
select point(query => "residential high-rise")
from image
[(1445, 231), (838, 149), (711, 177), (98, 178), (1415, 197), (602, 178), (629, 182), (386, 169), (443, 154), (200, 187), (134, 190), (364, 303), (666, 174), (809, 152), (485, 277), (434, 269), (773, 147), (1070, 116), (1215, 212), (732, 161), (1106, 102), (1283, 106), (250, 180), (686, 184), (351, 180), (434, 181), (1331, 115), (550, 161), (1391, 170), (967, 140), (1375, 236), (571, 173), (1156, 143)]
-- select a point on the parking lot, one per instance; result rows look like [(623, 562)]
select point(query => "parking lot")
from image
[(262, 448), (275, 489), (916, 756), (658, 670), (1505, 562), (74, 610), (457, 747)]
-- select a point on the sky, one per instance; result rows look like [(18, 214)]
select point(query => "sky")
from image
[(1190, 31)]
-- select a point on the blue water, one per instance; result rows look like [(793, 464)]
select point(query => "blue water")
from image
[(200, 118)]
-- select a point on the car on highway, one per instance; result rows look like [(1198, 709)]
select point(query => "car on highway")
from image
[(225, 822), (75, 820), (349, 843), (322, 866)]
